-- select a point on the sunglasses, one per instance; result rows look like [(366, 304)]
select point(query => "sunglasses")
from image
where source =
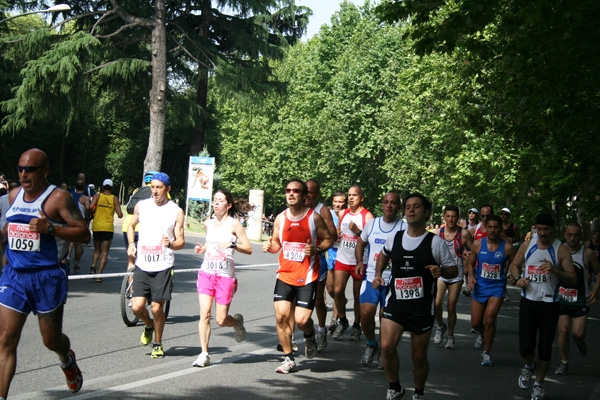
[(472, 212), (504, 213), (287, 190), (29, 168)]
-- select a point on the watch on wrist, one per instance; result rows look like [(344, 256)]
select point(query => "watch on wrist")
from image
[(50, 229), (233, 245)]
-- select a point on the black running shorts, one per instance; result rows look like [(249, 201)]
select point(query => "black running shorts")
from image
[(304, 295)]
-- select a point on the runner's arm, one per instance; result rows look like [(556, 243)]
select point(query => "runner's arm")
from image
[(272, 245), (60, 205), (135, 219), (244, 246), (328, 219), (592, 260), (322, 234), (179, 242), (118, 207), (382, 261), (515, 265)]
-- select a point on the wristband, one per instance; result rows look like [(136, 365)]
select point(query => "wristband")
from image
[(517, 279), (131, 244), (170, 245)]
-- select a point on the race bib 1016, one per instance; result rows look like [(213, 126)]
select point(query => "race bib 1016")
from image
[(409, 288), (294, 251), (20, 238)]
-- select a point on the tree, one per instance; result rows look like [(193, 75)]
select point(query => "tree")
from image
[(199, 36)]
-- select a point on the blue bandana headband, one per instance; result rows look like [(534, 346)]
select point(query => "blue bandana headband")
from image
[(164, 178)]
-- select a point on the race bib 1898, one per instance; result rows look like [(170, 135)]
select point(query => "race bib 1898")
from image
[(20, 238), (409, 288), (294, 251), (490, 271)]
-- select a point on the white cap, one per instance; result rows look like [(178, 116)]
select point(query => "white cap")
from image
[(506, 210), (107, 182), (474, 210)]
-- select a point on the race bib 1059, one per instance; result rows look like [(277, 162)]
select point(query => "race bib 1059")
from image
[(20, 238)]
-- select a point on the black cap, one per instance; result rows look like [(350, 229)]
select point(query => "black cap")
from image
[(544, 219)]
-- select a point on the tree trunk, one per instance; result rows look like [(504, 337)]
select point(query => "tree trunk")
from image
[(156, 139), (197, 142)]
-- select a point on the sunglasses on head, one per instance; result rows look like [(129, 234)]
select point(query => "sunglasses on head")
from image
[(29, 168), (294, 190)]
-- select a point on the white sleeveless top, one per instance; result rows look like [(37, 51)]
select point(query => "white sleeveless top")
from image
[(217, 261), (543, 285), (375, 234), (155, 221)]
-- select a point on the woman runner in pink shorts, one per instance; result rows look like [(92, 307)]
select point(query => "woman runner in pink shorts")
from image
[(216, 278)]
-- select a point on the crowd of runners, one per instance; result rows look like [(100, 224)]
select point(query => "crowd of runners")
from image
[(396, 262)]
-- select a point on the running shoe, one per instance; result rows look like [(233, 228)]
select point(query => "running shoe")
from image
[(310, 345), (581, 347), (157, 351), (506, 297), (76, 268), (339, 330), (537, 393), (332, 326), (486, 360), (473, 330), (479, 342), (450, 343), (288, 365), (439, 334), (394, 395), (240, 331), (73, 374), (93, 269), (99, 280), (562, 369), (379, 362), (355, 333), (294, 347), (369, 354), (203, 360), (467, 292), (525, 378), (147, 335), (321, 341), (418, 396)]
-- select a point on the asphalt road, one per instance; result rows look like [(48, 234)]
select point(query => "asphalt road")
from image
[(115, 366)]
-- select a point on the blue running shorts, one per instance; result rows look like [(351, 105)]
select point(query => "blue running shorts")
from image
[(34, 290)]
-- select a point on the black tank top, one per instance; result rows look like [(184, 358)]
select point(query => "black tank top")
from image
[(409, 272)]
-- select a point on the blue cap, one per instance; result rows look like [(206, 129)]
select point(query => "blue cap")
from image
[(148, 176), (164, 178)]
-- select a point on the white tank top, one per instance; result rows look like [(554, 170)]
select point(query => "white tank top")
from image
[(375, 234), (217, 261), (155, 221), (543, 286), (349, 239)]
